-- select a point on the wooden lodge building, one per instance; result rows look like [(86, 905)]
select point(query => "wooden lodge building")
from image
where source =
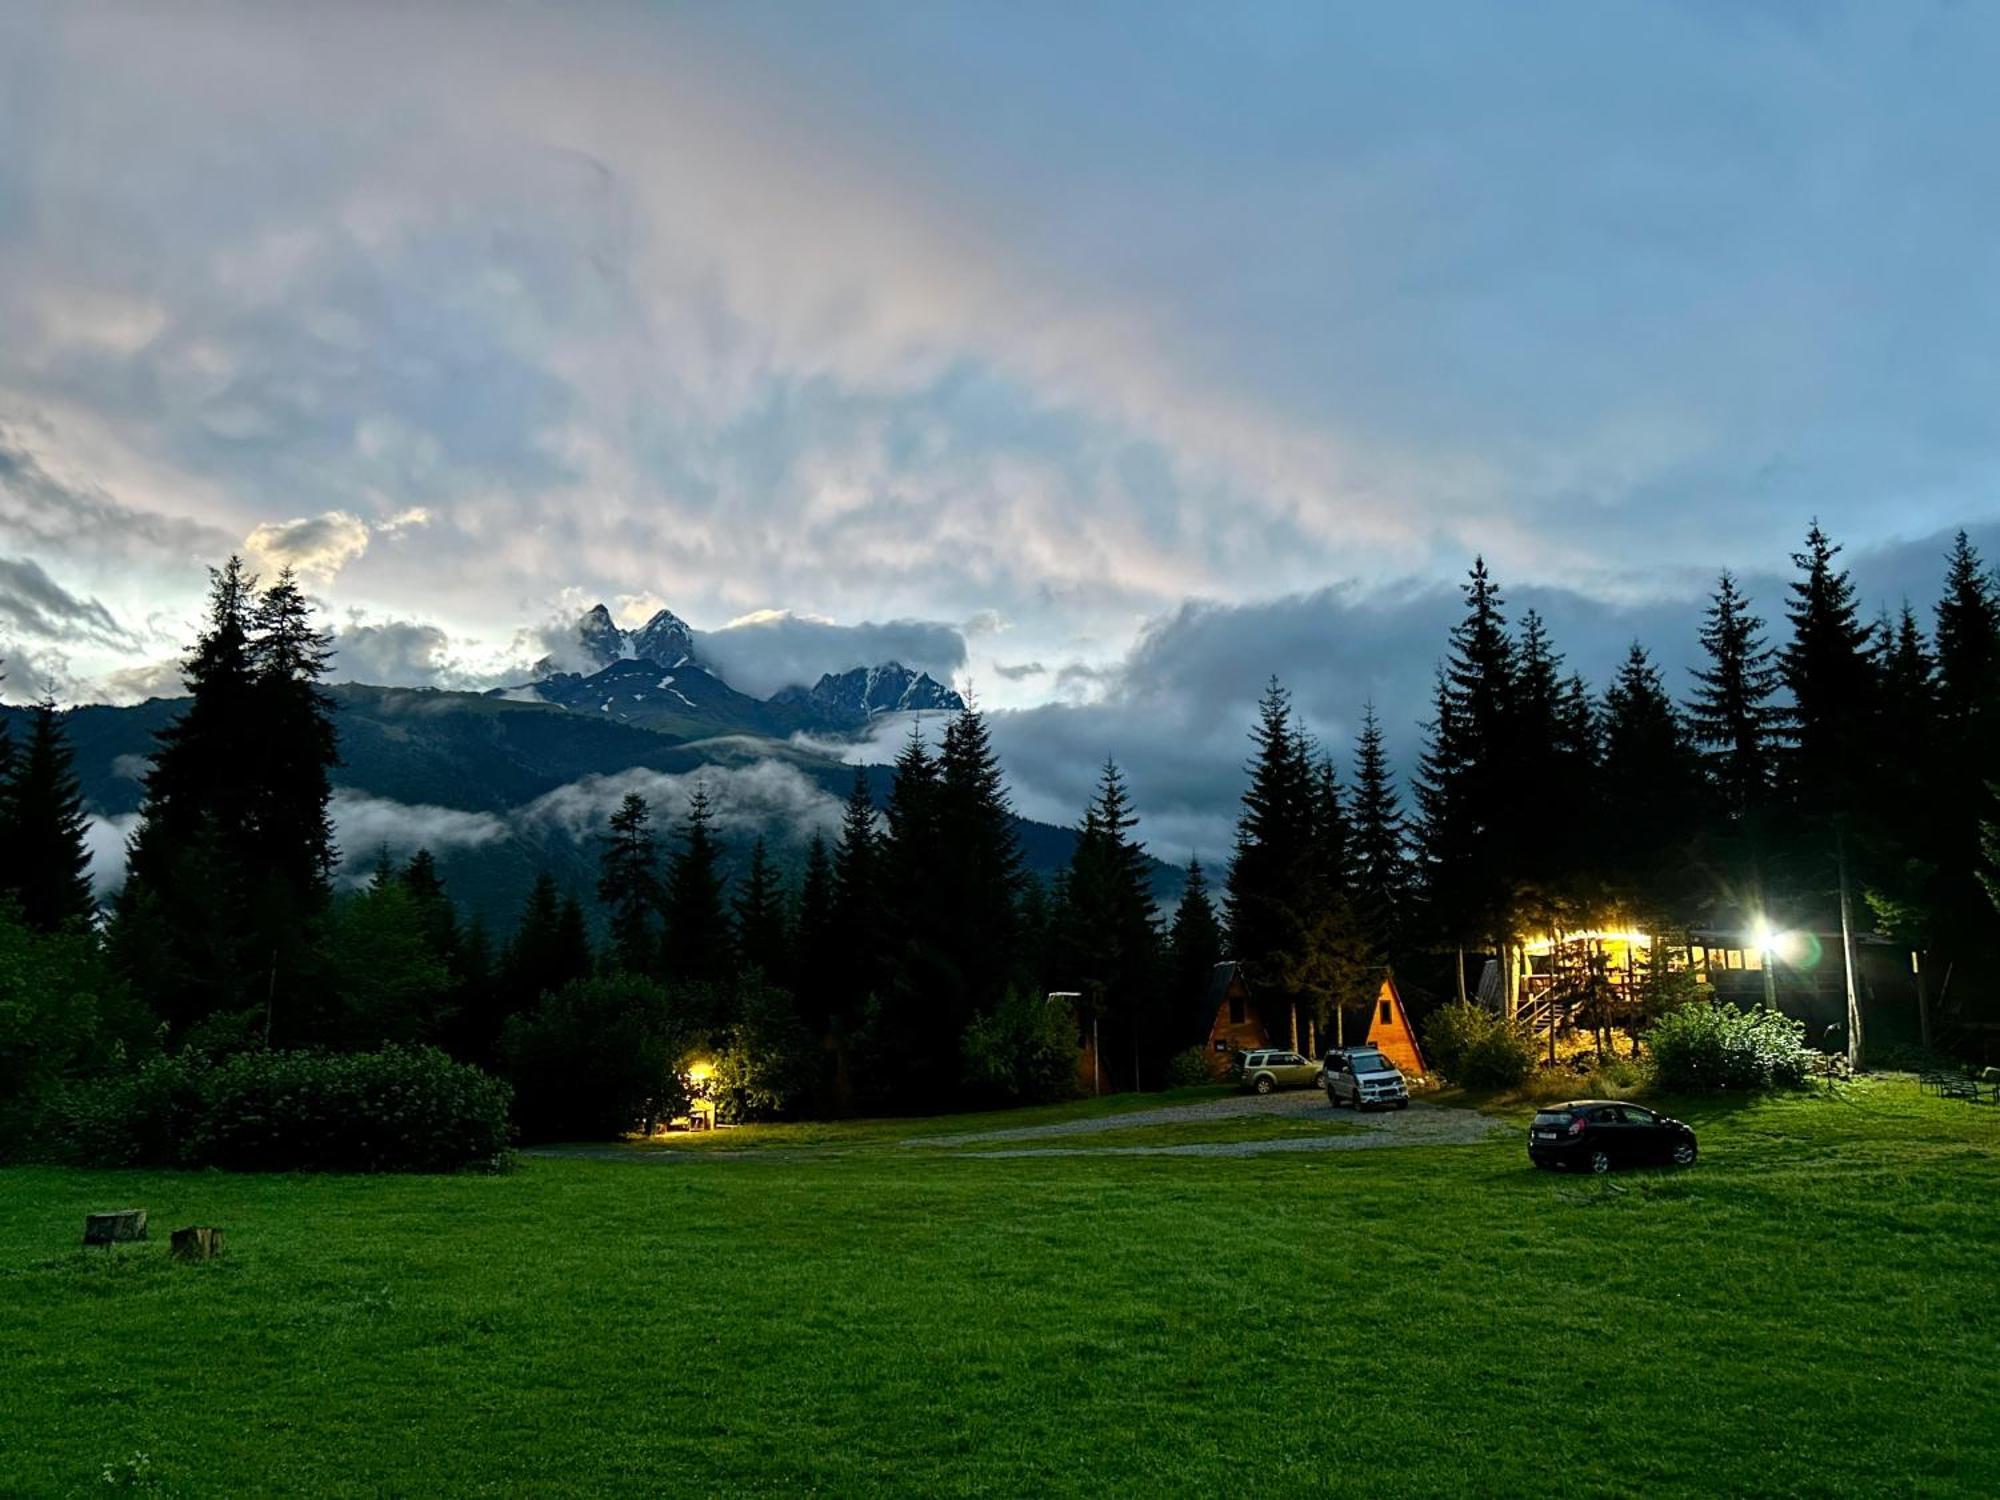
[(1802, 973), (1241, 1023)]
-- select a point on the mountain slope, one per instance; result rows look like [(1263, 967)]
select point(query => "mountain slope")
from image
[(528, 785)]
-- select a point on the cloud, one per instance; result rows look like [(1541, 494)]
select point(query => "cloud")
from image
[(51, 516), (32, 603), (747, 799), (394, 653), (363, 826), (760, 653), (106, 839), (128, 685), (314, 547), (1020, 671)]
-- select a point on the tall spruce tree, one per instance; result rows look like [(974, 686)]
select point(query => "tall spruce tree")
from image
[(763, 936), (1967, 759), (816, 941), (232, 860), (858, 915), (1271, 884), (299, 748), (978, 872), (1829, 666), (1111, 940), (549, 949), (43, 823), (1195, 946), (1381, 849), (1649, 782), (628, 883), (1464, 790), (1731, 718), (697, 945)]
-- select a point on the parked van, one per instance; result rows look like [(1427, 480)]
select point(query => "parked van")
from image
[(1365, 1079)]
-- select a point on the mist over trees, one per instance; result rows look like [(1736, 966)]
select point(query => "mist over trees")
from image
[(910, 962)]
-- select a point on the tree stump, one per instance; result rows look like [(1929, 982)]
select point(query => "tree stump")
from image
[(115, 1227), (197, 1242)]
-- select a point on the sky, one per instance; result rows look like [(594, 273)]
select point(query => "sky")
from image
[(1103, 358)]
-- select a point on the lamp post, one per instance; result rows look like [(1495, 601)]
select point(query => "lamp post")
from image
[(1767, 941)]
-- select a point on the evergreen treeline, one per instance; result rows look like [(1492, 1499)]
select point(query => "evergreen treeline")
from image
[(909, 962)]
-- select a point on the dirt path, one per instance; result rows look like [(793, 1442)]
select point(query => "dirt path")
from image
[(1419, 1125)]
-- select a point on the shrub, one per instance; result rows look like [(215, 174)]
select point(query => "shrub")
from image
[(1023, 1051), (597, 1059), (1188, 1068), (1718, 1046), (397, 1110), (768, 1064), (403, 1109), (1476, 1049)]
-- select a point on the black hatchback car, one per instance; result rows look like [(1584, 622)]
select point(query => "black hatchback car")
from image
[(1599, 1134)]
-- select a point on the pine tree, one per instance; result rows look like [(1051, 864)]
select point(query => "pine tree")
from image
[(763, 939), (550, 947), (1271, 874), (1649, 781), (1195, 944), (425, 884), (979, 870), (43, 822), (1829, 667), (1111, 936), (1464, 792), (1967, 639), (1381, 852), (299, 747), (697, 947), (858, 916), (1732, 719), (628, 882), (1968, 644), (186, 933), (816, 950)]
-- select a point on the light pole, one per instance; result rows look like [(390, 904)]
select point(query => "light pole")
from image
[(1767, 941)]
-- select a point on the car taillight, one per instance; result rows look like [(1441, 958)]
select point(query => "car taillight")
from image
[(1576, 1127)]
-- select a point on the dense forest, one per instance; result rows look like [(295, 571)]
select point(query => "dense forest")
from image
[(908, 965)]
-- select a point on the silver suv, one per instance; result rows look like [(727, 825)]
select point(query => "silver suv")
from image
[(1364, 1078)]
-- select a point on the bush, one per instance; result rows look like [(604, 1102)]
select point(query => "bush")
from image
[(398, 1110), (1718, 1046), (597, 1059), (1189, 1068), (1022, 1052), (768, 1064), (1476, 1049)]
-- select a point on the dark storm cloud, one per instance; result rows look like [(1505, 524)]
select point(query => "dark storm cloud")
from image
[(1177, 711), (32, 603)]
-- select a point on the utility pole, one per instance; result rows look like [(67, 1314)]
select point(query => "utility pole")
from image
[(1847, 956)]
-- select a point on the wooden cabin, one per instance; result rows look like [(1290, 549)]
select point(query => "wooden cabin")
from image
[(1239, 1024)]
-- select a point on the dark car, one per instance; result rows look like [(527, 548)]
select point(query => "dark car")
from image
[(1599, 1134)]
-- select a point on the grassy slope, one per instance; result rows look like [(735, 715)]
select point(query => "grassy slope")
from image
[(1815, 1309)]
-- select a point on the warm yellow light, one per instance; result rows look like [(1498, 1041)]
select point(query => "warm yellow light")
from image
[(700, 1072), (1763, 936), (1548, 942)]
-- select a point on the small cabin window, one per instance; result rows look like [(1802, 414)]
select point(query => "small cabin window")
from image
[(1385, 1012), (1235, 1010)]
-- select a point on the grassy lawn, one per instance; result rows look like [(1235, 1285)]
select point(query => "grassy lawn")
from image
[(1815, 1309)]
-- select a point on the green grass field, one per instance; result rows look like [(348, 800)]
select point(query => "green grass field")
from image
[(1814, 1309)]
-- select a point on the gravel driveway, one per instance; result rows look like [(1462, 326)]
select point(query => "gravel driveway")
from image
[(1419, 1125)]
